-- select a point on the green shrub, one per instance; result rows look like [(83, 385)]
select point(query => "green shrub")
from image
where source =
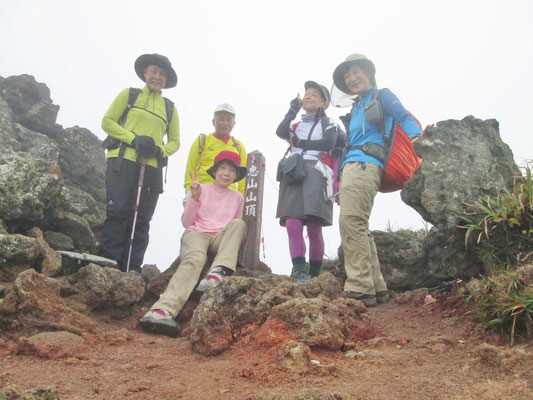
[(501, 228), (504, 301)]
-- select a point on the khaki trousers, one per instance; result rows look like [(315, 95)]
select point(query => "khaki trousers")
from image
[(359, 185), (193, 254)]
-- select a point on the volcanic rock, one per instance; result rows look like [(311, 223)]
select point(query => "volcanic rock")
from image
[(51, 259), (52, 345), (34, 305), (17, 253)]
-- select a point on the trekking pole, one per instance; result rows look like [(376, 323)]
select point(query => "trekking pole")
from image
[(139, 188)]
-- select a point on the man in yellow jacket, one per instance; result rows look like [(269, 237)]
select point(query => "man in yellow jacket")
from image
[(206, 147), (136, 133)]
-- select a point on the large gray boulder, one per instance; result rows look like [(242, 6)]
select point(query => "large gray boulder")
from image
[(31, 104), (29, 177), (99, 287), (28, 191), (82, 160), (462, 161), (50, 177)]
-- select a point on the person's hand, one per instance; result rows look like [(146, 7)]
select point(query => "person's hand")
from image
[(145, 146), (196, 188), (295, 141), (295, 104)]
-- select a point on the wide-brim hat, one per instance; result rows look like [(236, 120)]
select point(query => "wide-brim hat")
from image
[(322, 89), (160, 61), (232, 159), (342, 68)]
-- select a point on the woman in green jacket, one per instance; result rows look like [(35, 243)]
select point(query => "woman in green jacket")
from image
[(136, 123)]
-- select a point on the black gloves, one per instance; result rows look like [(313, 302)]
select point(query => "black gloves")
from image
[(295, 141), (295, 106), (146, 147)]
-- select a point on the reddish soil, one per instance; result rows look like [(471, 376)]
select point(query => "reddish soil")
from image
[(423, 352)]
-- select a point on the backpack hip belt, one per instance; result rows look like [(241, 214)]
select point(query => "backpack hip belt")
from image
[(372, 149)]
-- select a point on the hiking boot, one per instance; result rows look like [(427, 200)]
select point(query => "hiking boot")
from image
[(160, 321), (368, 300), (300, 273), (299, 277), (213, 278), (382, 297)]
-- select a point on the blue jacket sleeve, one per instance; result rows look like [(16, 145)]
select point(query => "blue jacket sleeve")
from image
[(393, 108)]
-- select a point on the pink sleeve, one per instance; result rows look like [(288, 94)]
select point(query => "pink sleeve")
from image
[(190, 211), (238, 212)]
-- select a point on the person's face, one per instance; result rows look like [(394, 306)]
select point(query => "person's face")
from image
[(312, 100), (156, 78), (357, 80), (223, 123), (225, 175)]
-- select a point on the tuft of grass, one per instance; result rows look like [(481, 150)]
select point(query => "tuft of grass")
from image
[(409, 233), (504, 300), (501, 228)]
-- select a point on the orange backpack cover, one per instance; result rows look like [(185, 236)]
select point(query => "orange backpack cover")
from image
[(402, 161)]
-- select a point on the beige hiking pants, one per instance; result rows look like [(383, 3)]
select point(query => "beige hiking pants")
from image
[(193, 254), (358, 188)]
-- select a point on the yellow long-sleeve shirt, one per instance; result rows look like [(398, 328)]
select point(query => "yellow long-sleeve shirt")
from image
[(205, 160), (140, 121)]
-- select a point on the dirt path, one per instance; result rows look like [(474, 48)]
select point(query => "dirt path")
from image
[(422, 353)]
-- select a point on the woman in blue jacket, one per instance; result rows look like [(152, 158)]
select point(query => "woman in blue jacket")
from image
[(362, 170)]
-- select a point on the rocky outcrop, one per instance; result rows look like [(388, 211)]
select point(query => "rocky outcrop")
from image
[(274, 311), (51, 178), (99, 287), (34, 305), (462, 162), (318, 323), (31, 104)]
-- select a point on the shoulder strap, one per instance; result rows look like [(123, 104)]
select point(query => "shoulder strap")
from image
[(382, 128), (236, 144), (132, 97), (324, 121), (313, 128), (201, 143), (345, 119), (169, 108)]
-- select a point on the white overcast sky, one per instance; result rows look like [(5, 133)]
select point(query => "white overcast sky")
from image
[(444, 60)]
